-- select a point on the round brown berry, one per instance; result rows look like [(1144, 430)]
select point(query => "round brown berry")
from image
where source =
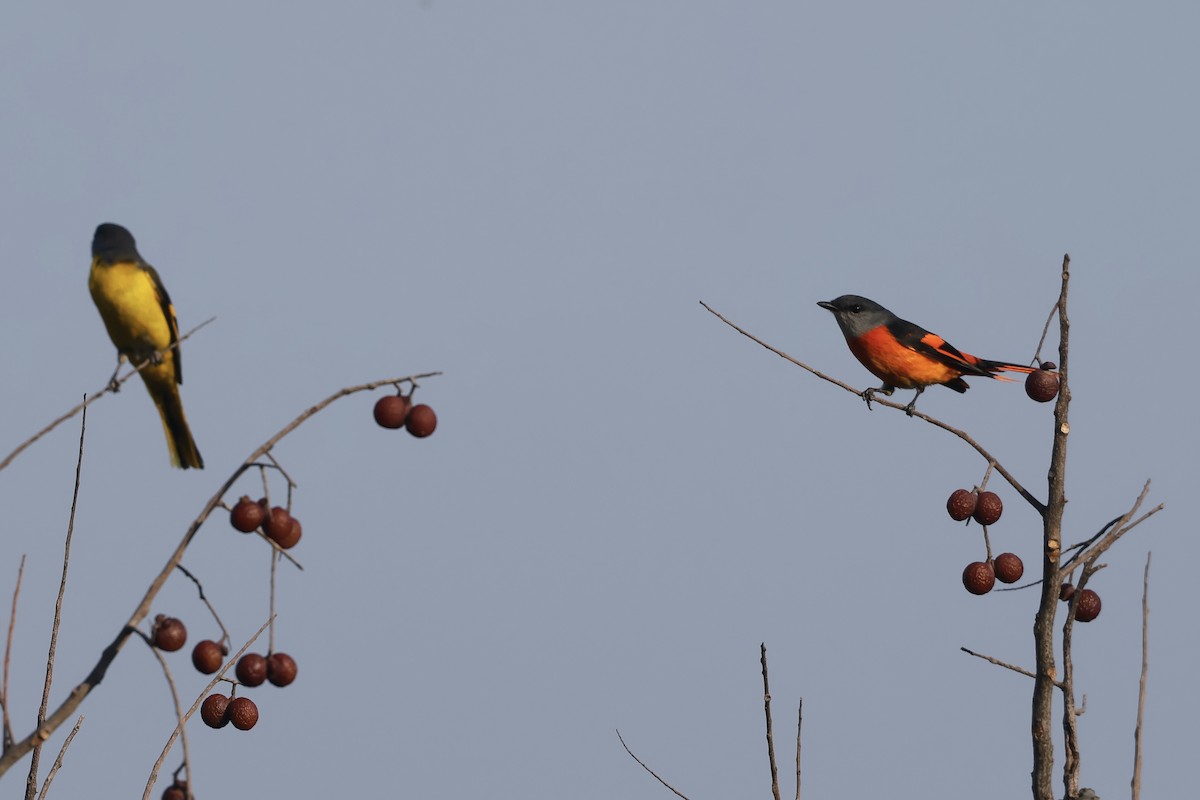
[(281, 669), (1041, 385), (212, 710), (242, 713), (391, 411), (168, 633), (251, 669), (278, 523), (292, 536), (1066, 592), (421, 421), (207, 656), (246, 515), (176, 791), (1009, 568), (988, 508), (1087, 607), (979, 577), (961, 504)]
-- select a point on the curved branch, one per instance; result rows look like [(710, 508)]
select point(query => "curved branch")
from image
[(93, 679), (1038, 505), (112, 386)]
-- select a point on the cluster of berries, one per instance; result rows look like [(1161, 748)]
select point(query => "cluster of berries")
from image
[(980, 577)]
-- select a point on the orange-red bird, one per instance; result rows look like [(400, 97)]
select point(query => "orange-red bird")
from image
[(904, 355)]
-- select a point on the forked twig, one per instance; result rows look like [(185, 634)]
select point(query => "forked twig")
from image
[(58, 762)]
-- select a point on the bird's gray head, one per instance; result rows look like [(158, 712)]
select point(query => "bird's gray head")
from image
[(113, 243), (856, 315)]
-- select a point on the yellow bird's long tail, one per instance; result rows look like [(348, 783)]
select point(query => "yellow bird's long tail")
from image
[(180, 445)]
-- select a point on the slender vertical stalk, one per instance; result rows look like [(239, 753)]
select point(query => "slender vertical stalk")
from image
[(1043, 626)]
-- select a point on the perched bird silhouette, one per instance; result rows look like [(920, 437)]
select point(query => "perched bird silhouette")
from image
[(140, 319), (904, 355)]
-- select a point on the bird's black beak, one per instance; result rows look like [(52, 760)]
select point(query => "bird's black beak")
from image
[(828, 306)]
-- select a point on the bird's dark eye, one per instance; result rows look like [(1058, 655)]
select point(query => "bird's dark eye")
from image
[(854, 309)]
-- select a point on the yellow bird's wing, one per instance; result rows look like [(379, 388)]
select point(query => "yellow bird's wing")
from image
[(168, 309)]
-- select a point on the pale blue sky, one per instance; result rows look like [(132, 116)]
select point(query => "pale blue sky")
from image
[(624, 497)]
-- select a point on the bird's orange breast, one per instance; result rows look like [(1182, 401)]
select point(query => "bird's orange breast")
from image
[(895, 363)]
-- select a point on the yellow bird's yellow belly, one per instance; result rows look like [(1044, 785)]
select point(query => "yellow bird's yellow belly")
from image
[(131, 308)]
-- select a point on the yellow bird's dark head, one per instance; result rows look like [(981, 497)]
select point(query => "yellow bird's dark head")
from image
[(112, 243)]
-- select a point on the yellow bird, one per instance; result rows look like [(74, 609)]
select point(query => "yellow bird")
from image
[(140, 319)]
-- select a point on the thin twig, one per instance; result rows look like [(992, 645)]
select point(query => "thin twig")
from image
[(1122, 527), (1037, 354), (31, 782), (203, 597), (767, 710), (12, 621), (179, 726), (85, 687), (271, 631), (652, 772), (999, 663), (58, 762), (187, 757), (1008, 476), (1136, 783), (112, 386), (799, 725)]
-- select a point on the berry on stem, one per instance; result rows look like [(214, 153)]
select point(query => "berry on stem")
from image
[(391, 411), (421, 421), (207, 656), (288, 540), (988, 508), (1087, 608), (168, 633), (281, 669), (212, 710), (247, 515), (961, 504), (242, 713), (1041, 385), (278, 523), (979, 577), (251, 669), (1009, 568)]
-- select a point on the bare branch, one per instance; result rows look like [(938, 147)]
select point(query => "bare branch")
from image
[(179, 718), (652, 772), (12, 622), (204, 598), (1042, 713), (799, 725), (999, 663), (31, 782), (58, 762), (770, 736), (112, 386), (85, 687), (1136, 783), (1008, 476)]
